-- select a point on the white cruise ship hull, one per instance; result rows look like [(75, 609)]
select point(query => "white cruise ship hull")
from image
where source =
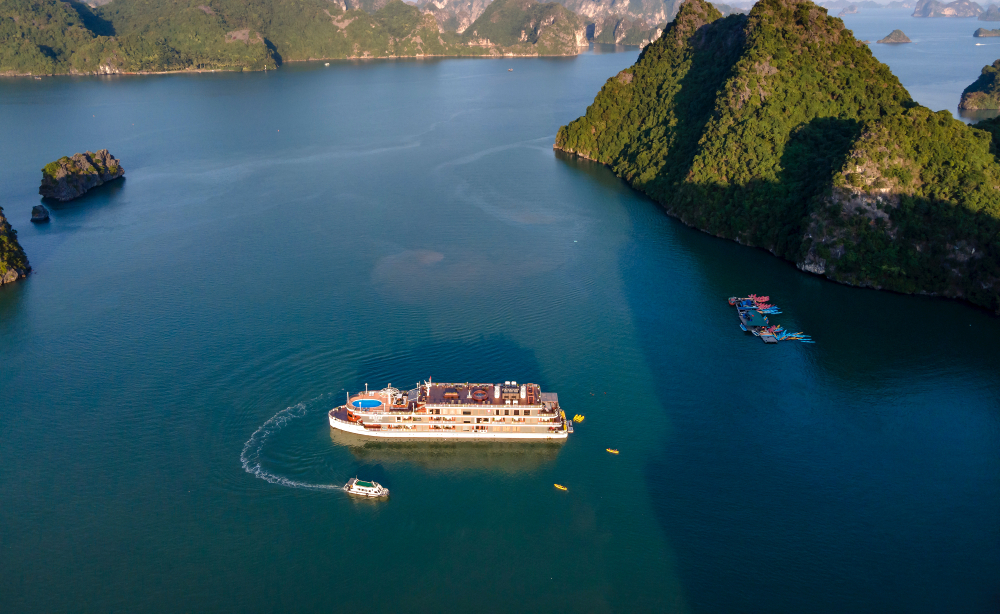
[(358, 429)]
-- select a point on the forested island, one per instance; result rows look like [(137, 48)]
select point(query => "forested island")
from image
[(778, 129), (47, 37), (958, 8), (53, 37), (984, 92)]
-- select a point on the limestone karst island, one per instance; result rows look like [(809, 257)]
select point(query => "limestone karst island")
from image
[(779, 129), (47, 37)]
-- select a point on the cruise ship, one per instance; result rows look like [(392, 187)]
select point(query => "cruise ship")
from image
[(506, 410)]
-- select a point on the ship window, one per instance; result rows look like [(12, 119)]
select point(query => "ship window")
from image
[(506, 412), (498, 412), (466, 413), (527, 412), (515, 412)]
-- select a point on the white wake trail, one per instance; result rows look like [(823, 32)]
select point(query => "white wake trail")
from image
[(252, 449)]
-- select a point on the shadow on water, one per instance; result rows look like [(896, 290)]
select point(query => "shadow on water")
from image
[(449, 456), (100, 196), (815, 466)]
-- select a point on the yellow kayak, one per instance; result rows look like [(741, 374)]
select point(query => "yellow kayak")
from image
[(561, 487), (612, 451)]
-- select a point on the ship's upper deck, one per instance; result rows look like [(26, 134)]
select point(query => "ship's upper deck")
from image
[(506, 393)]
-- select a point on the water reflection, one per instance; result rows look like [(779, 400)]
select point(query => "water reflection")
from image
[(493, 456), (978, 115)]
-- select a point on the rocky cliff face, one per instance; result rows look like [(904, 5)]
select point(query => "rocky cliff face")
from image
[(959, 8), (455, 15), (69, 177), (13, 262), (992, 13), (526, 27)]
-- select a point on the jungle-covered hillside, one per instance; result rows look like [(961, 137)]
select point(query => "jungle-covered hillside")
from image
[(779, 130), (42, 37)]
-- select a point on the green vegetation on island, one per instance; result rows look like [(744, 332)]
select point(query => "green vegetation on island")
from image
[(70, 177), (13, 262), (983, 33), (780, 130), (128, 36), (984, 92), (894, 37)]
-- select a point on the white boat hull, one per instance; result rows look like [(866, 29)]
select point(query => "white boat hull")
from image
[(358, 429)]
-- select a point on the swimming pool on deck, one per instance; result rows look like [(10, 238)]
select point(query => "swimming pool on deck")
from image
[(366, 403)]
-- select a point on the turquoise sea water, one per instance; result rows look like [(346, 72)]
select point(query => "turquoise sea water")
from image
[(282, 237)]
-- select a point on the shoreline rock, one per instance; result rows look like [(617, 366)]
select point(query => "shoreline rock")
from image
[(39, 214), (70, 177), (13, 262)]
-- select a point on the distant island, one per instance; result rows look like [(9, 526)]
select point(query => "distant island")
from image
[(984, 33), (894, 37), (992, 13), (50, 37), (820, 157), (13, 262), (984, 92), (147, 36), (848, 10), (958, 8)]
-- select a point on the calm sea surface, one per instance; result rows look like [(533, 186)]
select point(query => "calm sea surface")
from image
[(166, 371)]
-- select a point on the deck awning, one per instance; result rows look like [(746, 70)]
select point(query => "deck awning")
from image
[(754, 318)]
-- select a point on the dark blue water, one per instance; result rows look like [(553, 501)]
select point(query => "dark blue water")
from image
[(282, 237)]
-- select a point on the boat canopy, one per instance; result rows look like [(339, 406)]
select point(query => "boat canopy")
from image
[(364, 484), (755, 318)]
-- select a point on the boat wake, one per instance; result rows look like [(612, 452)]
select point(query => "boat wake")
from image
[(254, 447)]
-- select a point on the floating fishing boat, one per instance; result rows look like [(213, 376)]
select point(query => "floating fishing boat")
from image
[(505, 410), (753, 311), (561, 487), (362, 488), (612, 450)]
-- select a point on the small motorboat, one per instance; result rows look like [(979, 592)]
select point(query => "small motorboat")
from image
[(510, 70), (362, 488), (612, 450), (561, 487)]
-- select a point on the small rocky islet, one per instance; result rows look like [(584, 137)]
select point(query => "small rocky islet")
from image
[(70, 177), (67, 178), (895, 37)]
